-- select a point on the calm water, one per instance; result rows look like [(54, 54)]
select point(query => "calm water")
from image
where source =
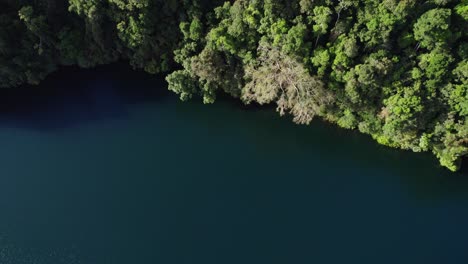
[(106, 167)]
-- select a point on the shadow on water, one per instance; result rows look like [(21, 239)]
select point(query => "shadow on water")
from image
[(464, 166), (72, 96), (340, 148), (187, 180), (105, 92)]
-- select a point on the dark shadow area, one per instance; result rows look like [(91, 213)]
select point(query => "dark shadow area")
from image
[(464, 166), (74, 96), (338, 148), (103, 93)]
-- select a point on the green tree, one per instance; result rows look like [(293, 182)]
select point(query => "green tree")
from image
[(321, 18), (433, 28)]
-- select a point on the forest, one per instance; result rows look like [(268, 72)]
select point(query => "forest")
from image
[(396, 70)]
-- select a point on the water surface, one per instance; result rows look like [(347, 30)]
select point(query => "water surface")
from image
[(105, 167)]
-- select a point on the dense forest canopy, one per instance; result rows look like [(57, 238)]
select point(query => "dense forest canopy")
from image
[(394, 69)]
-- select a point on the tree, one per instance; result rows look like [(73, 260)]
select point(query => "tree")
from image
[(322, 16), (433, 28), (435, 65), (181, 83), (278, 78), (342, 5)]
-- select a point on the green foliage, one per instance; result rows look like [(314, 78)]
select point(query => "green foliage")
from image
[(462, 9), (321, 60), (180, 82), (433, 28), (348, 120)]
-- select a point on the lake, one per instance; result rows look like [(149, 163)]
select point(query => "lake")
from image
[(105, 166)]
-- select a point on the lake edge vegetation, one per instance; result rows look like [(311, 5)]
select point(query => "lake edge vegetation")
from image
[(394, 69)]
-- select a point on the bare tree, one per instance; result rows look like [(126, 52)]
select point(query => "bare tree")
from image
[(276, 77), (342, 5)]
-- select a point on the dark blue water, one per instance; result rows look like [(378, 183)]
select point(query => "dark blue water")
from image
[(105, 167)]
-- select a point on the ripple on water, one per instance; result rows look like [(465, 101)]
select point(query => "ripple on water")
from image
[(11, 253)]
